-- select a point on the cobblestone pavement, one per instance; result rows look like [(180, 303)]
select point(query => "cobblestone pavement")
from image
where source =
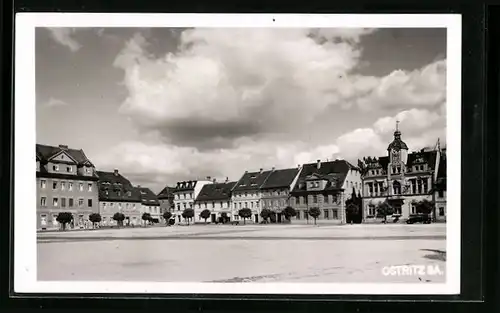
[(245, 253)]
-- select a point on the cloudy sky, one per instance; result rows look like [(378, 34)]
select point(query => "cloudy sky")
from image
[(168, 104)]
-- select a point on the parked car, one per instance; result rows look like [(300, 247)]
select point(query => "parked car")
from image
[(420, 218)]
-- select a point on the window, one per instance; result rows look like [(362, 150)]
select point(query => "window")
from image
[(221, 206), (43, 201), (81, 187), (213, 205), (251, 204), (70, 186), (184, 205), (246, 205), (441, 211), (63, 185), (69, 169), (63, 202), (246, 194), (440, 193), (305, 214), (111, 204), (80, 202), (178, 207), (90, 187), (55, 168), (325, 214), (70, 202), (89, 202), (396, 187), (315, 199), (335, 214), (371, 210), (43, 184), (54, 185), (413, 209), (298, 215), (55, 201)]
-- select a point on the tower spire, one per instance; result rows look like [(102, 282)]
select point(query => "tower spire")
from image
[(397, 124)]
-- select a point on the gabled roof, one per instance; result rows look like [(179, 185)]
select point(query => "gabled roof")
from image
[(167, 192), (334, 171), (45, 153), (251, 181), (216, 192), (148, 197), (115, 187), (280, 178)]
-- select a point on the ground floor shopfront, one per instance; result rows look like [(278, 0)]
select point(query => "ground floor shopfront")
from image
[(47, 219)]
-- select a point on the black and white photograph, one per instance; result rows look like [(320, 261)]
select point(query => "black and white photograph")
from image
[(238, 153)]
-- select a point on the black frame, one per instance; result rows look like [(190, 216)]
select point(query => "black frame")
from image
[(479, 169)]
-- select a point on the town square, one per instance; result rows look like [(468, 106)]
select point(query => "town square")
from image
[(251, 253), (193, 154)]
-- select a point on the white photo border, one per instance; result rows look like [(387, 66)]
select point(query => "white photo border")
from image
[(25, 239)]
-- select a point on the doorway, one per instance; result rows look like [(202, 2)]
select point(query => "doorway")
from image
[(256, 218), (213, 218)]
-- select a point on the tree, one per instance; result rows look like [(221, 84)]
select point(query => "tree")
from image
[(314, 213), (385, 209), (425, 207), (265, 214), (289, 212), (146, 217), (244, 214), (188, 214), (119, 218), (205, 214), (224, 217), (167, 215), (95, 218), (64, 218)]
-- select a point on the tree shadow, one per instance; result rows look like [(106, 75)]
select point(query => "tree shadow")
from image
[(438, 255)]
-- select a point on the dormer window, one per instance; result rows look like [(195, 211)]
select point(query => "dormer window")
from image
[(55, 167), (69, 169)]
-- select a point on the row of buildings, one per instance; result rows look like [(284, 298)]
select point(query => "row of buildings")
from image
[(68, 181)]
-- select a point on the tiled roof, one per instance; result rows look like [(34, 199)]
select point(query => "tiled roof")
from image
[(280, 178), (217, 191), (334, 171), (148, 197), (118, 188), (45, 152), (185, 185), (420, 157), (166, 193), (251, 181)]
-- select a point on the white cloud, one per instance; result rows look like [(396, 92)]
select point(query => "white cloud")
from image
[(218, 102), (53, 102), (63, 36), (424, 87)]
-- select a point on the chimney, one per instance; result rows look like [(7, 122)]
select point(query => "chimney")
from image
[(209, 178), (116, 172), (260, 170), (138, 186), (227, 179), (318, 164), (298, 165), (214, 180), (63, 146), (273, 168)]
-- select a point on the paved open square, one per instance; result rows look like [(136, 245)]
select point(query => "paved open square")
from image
[(246, 253)]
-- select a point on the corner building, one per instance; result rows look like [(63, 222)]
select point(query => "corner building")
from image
[(66, 182)]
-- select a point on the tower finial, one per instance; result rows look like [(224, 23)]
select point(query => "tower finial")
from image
[(397, 124)]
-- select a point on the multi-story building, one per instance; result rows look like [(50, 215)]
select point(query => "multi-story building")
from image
[(326, 186), (185, 193), (404, 179), (150, 204), (117, 194), (66, 182), (246, 193), (216, 198), (276, 190), (166, 199)]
